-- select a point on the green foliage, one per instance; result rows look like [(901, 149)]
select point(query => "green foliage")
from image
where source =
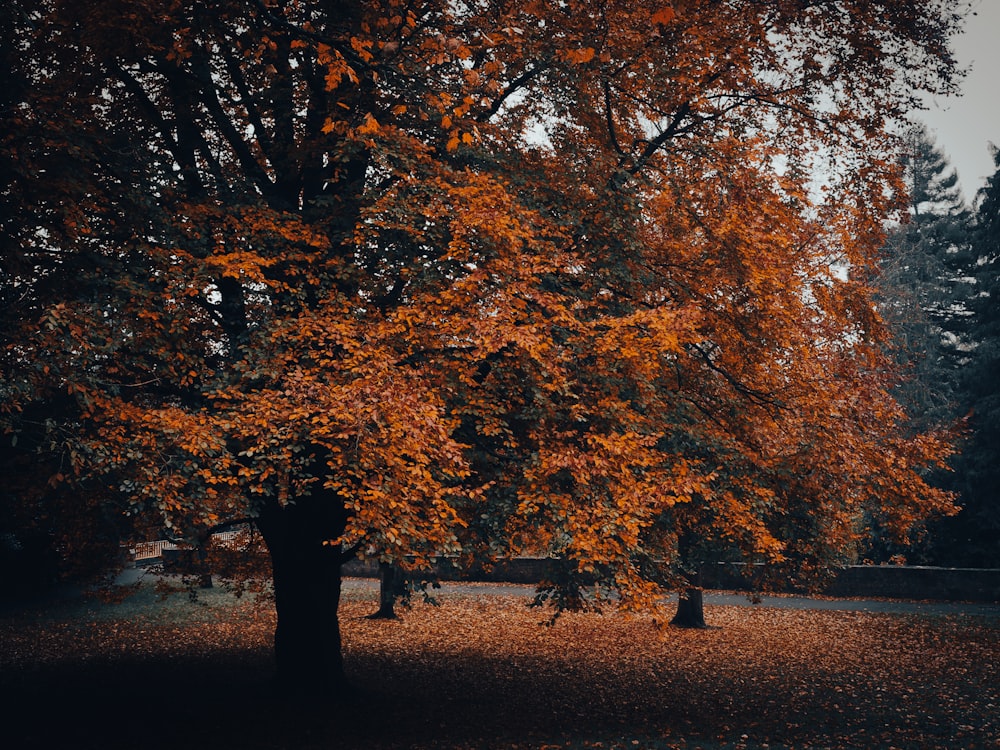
[(939, 289), (973, 537), (928, 285)]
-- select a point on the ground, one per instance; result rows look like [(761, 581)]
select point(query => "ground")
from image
[(481, 671)]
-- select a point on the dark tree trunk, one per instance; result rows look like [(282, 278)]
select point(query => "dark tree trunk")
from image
[(389, 584), (204, 574), (307, 577), (690, 610)]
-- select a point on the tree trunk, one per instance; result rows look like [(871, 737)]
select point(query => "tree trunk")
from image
[(307, 578), (204, 574), (690, 610), (388, 589)]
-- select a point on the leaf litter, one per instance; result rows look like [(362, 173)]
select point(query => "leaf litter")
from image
[(482, 671)]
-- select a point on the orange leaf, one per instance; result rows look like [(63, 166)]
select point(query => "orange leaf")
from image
[(664, 16)]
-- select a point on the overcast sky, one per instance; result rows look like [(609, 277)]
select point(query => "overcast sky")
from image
[(964, 125)]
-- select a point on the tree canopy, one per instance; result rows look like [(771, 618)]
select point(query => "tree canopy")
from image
[(417, 279)]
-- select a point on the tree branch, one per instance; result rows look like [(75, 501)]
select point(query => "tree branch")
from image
[(512, 88)]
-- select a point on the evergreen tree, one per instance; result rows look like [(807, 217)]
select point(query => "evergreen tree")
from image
[(973, 536), (926, 288), (928, 282)]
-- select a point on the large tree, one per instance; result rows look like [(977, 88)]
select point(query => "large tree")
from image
[(432, 278)]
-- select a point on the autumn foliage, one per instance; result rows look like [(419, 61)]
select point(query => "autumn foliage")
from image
[(416, 279)]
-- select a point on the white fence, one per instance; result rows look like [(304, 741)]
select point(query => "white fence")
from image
[(150, 550), (154, 550)]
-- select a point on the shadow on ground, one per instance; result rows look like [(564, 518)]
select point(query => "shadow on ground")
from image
[(224, 703), (482, 673)]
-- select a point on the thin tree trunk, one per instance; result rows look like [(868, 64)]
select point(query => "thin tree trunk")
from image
[(307, 582), (204, 573), (388, 591)]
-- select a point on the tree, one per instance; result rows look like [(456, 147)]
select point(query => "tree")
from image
[(926, 293), (418, 279), (973, 536), (927, 282), (391, 586)]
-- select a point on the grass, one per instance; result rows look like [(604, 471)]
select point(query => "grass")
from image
[(480, 671)]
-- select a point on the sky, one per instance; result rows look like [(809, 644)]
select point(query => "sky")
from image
[(964, 125)]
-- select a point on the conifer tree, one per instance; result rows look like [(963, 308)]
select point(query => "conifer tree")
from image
[(973, 536), (927, 283)]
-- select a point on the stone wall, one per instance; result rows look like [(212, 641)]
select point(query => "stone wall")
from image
[(861, 581), (885, 581)]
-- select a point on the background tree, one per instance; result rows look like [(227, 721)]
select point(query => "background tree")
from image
[(422, 279), (45, 529), (927, 287), (931, 267), (972, 537)]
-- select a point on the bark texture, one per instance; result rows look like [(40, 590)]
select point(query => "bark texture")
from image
[(690, 610), (390, 585), (307, 583)]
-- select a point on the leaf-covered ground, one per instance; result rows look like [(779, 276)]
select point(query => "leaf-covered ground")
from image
[(480, 671)]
